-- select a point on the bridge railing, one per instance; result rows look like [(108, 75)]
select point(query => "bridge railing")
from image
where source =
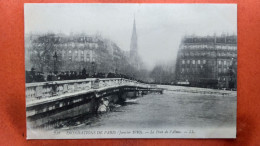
[(37, 91)]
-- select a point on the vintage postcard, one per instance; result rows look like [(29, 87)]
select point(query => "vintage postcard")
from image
[(130, 70)]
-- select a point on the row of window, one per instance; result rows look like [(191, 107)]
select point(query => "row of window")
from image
[(222, 70), (193, 61), (197, 70), (80, 45), (225, 62), (77, 55), (202, 46), (75, 52), (81, 59), (220, 62), (72, 44), (189, 70), (212, 53)]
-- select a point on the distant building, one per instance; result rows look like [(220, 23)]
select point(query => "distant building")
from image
[(209, 61), (74, 53), (119, 57)]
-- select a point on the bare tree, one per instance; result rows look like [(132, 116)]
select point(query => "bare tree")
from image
[(42, 53)]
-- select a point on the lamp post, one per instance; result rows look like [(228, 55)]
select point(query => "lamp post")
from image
[(55, 58), (93, 67), (116, 71)]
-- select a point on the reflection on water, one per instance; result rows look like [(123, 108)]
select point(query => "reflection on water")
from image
[(171, 109)]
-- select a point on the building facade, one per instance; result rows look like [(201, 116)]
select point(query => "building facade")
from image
[(73, 53), (209, 61)]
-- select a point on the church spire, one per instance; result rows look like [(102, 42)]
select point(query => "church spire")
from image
[(133, 45), (134, 27)]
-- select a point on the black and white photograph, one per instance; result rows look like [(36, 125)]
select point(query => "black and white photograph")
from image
[(121, 70)]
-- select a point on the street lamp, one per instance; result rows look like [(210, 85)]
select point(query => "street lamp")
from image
[(116, 66), (93, 67), (55, 58)]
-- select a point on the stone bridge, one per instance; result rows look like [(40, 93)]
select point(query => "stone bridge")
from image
[(47, 103)]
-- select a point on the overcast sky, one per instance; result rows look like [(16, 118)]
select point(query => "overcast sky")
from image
[(160, 27)]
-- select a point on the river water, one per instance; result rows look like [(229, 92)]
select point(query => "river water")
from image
[(170, 109)]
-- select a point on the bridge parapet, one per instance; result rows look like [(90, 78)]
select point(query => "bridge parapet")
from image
[(43, 90)]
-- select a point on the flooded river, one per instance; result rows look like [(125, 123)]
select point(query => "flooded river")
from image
[(171, 109)]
